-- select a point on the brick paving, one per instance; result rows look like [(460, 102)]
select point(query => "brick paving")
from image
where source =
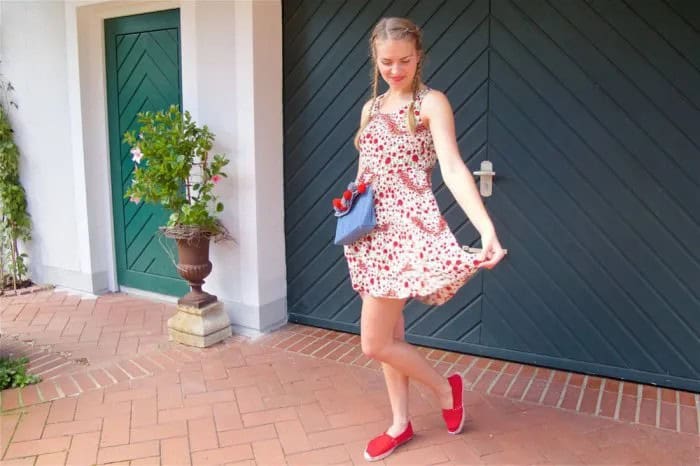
[(116, 391)]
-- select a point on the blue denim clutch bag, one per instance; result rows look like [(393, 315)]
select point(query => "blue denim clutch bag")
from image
[(358, 219)]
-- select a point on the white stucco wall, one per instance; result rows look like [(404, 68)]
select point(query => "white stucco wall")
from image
[(238, 92), (232, 81), (34, 58)]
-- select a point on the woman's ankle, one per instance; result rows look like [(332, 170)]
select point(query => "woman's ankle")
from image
[(444, 395), (398, 427)]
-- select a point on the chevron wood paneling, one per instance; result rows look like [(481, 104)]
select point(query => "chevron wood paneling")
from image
[(589, 110), (143, 54)]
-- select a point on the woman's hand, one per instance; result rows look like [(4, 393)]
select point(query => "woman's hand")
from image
[(492, 252)]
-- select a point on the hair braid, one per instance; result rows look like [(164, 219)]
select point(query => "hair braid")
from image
[(414, 91), (375, 84)]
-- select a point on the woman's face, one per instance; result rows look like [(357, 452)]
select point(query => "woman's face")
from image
[(397, 61)]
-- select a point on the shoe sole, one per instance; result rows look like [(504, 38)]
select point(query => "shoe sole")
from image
[(383, 455), (461, 424)]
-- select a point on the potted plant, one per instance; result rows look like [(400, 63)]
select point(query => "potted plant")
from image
[(173, 168)]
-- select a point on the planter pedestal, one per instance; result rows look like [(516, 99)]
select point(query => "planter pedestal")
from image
[(199, 326)]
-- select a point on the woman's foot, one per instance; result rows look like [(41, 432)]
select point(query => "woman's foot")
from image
[(384, 445), (454, 415)]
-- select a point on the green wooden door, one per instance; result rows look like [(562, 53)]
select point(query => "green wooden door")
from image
[(143, 73)]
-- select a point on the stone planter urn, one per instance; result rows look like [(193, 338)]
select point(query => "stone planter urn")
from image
[(200, 319)]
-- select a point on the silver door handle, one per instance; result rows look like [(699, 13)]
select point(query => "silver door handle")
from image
[(486, 176), (478, 250)]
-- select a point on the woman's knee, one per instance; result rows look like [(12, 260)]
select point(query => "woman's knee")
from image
[(373, 348), (381, 323)]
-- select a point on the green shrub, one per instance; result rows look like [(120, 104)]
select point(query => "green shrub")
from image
[(13, 373)]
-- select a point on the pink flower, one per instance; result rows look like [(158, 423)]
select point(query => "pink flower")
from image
[(137, 155), (135, 199), (215, 179)]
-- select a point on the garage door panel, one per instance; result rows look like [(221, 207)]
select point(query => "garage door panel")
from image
[(310, 42), (448, 28), (612, 277), (675, 26), (293, 18), (340, 50), (651, 246), (581, 131), (312, 288), (641, 24), (312, 263), (465, 325), (543, 270), (348, 315), (608, 78), (524, 333), (594, 141), (342, 299), (432, 320), (310, 237), (328, 161), (564, 244), (539, 286), (629, 226), (320, 115), (688, 10), (318, 240), (598, 114), (610, 26), (441, 74), (562, 316), (468, 95)]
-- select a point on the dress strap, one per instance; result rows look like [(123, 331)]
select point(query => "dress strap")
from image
[(419, 98), (375, 105)]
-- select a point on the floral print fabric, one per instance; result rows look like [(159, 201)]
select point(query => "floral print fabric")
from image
[(411, 253)]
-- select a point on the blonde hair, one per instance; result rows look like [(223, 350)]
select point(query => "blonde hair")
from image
[(395, 29)]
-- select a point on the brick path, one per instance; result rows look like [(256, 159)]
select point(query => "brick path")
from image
[(116, 391)]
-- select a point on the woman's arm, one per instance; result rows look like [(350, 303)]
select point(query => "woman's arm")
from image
[(437, 115)]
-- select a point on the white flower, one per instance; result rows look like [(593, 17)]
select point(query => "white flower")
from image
[(137, 155)]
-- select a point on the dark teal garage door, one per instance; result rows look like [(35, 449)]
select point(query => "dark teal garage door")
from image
[(590, 113)]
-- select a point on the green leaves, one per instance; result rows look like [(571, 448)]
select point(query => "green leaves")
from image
[(174, 168), (13, 373), (15, 223)]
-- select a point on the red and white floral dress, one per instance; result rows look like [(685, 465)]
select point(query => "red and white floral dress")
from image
[(411, 253)]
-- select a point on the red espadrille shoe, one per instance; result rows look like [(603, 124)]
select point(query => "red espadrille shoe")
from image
[(380, 447), (454, 418)]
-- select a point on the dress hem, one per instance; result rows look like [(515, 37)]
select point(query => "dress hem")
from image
[(428, 298)]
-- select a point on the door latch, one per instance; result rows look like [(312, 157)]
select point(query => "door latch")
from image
[(478, 250), (486, 175)]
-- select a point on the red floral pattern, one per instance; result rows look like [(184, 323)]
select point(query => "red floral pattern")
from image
[(412, 253)]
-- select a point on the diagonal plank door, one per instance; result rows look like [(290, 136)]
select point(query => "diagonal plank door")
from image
[(143, 74), (589, 111)]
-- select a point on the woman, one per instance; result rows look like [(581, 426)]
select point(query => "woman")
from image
[(411, 253)]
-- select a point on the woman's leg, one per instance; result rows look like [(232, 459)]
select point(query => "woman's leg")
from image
[(397, 386), (378, 322)]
